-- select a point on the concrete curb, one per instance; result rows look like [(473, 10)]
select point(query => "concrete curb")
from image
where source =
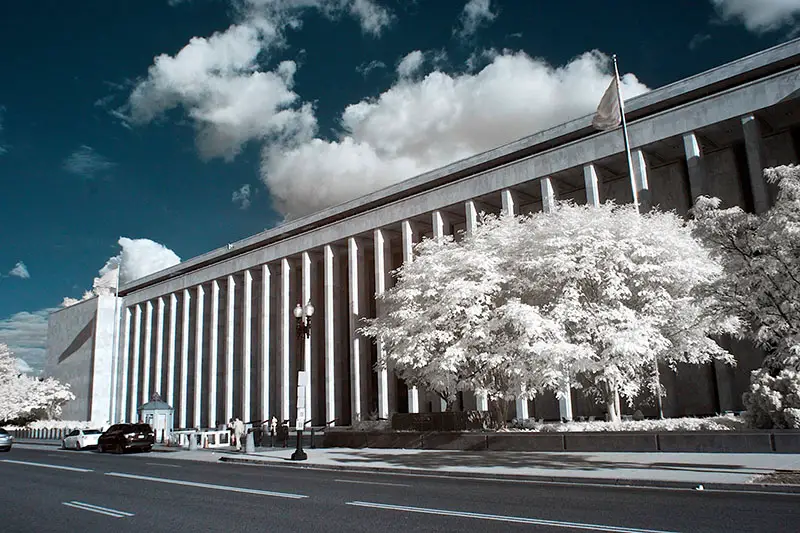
[(557, 480)]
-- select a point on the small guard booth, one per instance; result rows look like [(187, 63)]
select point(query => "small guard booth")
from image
[(159, 415)]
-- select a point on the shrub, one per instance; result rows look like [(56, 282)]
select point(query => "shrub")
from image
[(774, 399)]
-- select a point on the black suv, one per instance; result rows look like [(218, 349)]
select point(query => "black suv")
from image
[(121, 437)]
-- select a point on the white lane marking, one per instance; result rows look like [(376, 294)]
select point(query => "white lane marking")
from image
[(163, 464), (97, 509), (371, 483), (45, 465), (501, 518), (209, 486)]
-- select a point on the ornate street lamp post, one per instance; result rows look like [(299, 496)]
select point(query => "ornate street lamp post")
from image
[(303, 328)]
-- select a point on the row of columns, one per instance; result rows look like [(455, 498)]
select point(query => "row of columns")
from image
[(134, 328)]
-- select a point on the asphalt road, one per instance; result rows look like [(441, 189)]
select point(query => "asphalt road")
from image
[(45, 489)]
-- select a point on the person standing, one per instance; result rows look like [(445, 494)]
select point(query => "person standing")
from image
[(239, 431)]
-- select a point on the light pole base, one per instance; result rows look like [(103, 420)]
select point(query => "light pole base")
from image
[(299, 454)]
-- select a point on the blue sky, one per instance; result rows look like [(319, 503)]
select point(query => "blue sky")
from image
[(260, 110)]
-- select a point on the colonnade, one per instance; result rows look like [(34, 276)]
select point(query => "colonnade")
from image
[(229, 344)]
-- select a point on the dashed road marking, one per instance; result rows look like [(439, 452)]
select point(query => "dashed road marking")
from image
[(208, 486), (45, 465), (97, 509), (501, 518)]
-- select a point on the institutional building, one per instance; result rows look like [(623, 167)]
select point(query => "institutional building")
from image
[(215, 335)]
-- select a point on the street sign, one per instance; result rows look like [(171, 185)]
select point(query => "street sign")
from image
[(301, 419)]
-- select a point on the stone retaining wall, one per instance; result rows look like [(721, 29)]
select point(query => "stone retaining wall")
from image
[(776, 441)]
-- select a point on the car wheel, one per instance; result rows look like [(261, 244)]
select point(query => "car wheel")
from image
[(63, 445), (119, 449), (78, 446), (149, 449)]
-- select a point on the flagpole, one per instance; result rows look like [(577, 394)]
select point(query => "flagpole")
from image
[(634, 188)]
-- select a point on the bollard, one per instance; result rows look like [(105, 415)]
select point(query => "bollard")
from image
[(249, 443), (192, 441)]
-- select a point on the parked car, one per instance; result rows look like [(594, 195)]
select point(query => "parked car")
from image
[(121, 437), (6, 440), (81, 438)]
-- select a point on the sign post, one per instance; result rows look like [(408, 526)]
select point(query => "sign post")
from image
[(300, 420)]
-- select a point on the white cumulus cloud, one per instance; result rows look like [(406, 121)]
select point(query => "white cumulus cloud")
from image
[(760, 16), (474, 14), (221, 85), (140, 258), (416, 126), (20, 271), (242, 196)]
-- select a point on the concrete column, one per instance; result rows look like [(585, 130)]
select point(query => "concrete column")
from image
[(472, 224), (698, 180), (184, 394), (640, 181), (382, 258), (592, 187), (247, 316), (265, 338), (123, 388), (157, 384), (509, 206), (471, 212), (286, 312), (756, 162), (148, 339), (173, 320), (213, 355), (137, 340), (229, 316), (354, 256), (408, 256), (548, 206), (330, 378), (198, 357), (306, 296), (548, 195), (441, 227)]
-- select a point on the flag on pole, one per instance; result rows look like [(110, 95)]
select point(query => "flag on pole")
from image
[(608, 115)]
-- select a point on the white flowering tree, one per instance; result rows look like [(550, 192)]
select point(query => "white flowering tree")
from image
[(761, 254), (627, 290), (595, 297), (23, 396), (448, 325)]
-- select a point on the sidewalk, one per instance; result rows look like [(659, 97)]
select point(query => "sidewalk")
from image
[(681, 470), (717, 470)]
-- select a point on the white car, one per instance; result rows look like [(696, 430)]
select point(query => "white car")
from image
[(79, 439)]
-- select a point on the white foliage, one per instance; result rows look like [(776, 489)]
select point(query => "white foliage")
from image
[(24, 396), (627, 289), (588, 296), (762, 260), (717, 423)]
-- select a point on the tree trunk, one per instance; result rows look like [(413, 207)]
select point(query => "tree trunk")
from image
[(499, 411), (612, 403)]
